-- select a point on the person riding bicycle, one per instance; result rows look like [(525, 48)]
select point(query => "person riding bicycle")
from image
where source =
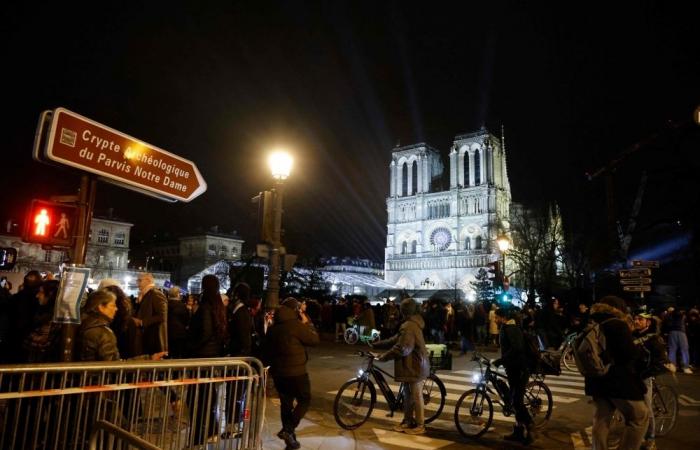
[(652, 363), (411, 365), (512, 342)]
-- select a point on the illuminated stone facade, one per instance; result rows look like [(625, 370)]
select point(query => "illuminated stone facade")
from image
[(437, 238)]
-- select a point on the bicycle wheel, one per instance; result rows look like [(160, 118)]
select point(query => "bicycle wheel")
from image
[(664, 404), (354, 403), (567, 357), (473, 413), (351, 336), (538, 401), (434, 394)]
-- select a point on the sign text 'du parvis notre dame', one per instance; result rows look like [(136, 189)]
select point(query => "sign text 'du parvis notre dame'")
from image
[(84, 144)]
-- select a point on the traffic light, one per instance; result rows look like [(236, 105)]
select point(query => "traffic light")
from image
[(266, 217), (50, 223), (497, 278)]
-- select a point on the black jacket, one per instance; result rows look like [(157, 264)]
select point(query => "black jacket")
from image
[(285, 344), (178, 320), (240, 330), (512, 341), (622, 380), (204, 341), (96, 340)]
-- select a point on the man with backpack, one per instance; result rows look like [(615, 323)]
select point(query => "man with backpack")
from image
[(514, 357), (606, 356)]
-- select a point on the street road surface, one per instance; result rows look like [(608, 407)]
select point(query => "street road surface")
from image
[(331, 364)]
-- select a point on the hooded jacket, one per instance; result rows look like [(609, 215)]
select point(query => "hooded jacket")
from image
[(285, 344), (408, 351), (622, 380)]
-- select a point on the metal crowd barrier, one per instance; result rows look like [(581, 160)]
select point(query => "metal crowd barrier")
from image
[(172, 404)]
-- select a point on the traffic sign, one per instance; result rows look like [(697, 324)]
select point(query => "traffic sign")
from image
[(636, 272), (642, 263), (84, 144), (635, 281), (637, 288)]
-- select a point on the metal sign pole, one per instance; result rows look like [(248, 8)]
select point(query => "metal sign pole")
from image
[(86, 204)]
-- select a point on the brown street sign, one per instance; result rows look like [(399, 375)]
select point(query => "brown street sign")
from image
[(642, 263), (637, 272), (84, 144), (635, 281), (637, 288)]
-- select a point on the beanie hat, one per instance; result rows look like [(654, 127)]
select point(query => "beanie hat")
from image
[(108, 282)]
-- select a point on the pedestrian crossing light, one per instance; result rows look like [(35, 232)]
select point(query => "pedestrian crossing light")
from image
[(50, 224), (495, 275)]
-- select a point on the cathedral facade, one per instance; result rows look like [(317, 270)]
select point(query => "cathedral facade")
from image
[(439, 238)]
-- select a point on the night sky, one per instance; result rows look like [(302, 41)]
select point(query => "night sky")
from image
[(340, 84)]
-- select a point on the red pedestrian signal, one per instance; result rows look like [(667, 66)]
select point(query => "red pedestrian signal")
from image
[(50, 223)]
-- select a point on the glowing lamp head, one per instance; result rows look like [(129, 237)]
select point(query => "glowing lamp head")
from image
[(503, 243), (280, 164)]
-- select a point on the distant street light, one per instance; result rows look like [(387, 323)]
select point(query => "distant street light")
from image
[(503, 245), (281, 166)]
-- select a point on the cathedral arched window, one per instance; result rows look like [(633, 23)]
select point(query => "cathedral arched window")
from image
[(414, 173), (477, 242), (404, 179), (466, 168), (414, 246), (467, 243), (404, 247), (477, 168)]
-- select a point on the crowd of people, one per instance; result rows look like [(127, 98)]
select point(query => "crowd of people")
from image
[(158, 323)]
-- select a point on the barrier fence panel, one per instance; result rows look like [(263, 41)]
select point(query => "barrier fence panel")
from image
[(173, 404)]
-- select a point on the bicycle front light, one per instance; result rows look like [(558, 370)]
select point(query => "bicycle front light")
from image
[(476, 378), (360, 372)]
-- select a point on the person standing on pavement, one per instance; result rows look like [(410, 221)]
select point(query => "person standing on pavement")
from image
[(512, 343), (678, 340), (646, 335), (240, 324), (152, 315), (178, 321), (285, 350), (411, 365), (621, 388)]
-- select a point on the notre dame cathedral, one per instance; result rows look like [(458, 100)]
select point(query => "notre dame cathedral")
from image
[(438, 238)]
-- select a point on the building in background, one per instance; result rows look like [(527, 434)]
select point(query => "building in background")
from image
[(437, 239)]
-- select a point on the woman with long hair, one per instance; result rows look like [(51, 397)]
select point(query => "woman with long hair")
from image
[(42, 341), (208, 329), (127, 333)]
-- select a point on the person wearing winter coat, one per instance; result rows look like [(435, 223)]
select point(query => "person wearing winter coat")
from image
[(285, 350), (411, 365), (621, 388), (41, 343), (96, 340), (512, 343)]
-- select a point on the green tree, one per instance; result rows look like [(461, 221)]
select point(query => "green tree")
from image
[(483, 286)]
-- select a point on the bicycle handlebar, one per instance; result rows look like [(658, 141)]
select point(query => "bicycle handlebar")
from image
[(367, 354)]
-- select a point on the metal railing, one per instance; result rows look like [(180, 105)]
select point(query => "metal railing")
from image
[(174, 404)]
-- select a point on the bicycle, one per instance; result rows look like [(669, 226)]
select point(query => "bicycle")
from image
[(566, 349), (357, 397), (664, 406), (353, 335), (474, 409)]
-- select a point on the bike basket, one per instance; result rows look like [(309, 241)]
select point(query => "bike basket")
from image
[(549, 363), (440, 357)]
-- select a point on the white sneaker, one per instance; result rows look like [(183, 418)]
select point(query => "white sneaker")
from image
[(687, 370), (671, 367)]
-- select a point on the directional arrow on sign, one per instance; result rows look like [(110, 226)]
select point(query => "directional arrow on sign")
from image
[(636, 272), (84, 144), (635, 281)]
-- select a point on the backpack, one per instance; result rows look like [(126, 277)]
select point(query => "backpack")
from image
[(589, 350), (533, 355)]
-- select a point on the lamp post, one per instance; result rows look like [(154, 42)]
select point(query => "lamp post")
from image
[(280, 165), (503, 245)]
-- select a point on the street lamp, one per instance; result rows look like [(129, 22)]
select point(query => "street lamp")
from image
[(503, 245), (280, 165)]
